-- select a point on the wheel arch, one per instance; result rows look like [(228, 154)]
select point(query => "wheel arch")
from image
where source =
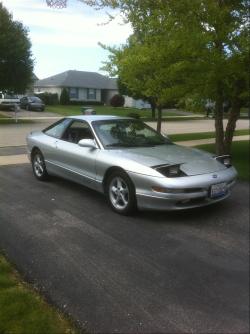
[(34, 149), (108, 172)]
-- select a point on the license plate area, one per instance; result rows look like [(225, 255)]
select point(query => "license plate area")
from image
[(218, 190)]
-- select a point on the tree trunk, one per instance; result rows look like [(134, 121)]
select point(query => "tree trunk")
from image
[(153, 107), (219, 130), (231, 125), (159, 119)]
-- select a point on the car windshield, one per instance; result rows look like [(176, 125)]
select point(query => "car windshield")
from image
[(35, 99), (127, 133)]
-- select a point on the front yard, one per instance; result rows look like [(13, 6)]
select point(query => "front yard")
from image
[(240, 156), (23, 311), (202, 135), (121, 111)]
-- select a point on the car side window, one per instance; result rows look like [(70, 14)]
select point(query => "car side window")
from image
[(76, 131), (58, 129)]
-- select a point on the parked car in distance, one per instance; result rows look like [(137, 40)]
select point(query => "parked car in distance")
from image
[(32, 103), (131, 163), (8, 101)]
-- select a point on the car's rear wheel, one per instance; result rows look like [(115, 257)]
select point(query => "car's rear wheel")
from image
[(39, 167), (120, 192)]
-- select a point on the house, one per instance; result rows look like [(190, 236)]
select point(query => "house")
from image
[(85, 87), (82, 86), (138, 104)]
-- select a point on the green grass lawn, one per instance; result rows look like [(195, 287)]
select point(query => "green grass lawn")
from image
[(9, 120), (13, 121), (3, 116), (108, 110), (23, 311), (202, 135), (240, 156)]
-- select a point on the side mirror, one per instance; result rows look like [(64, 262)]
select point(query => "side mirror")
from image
[(87, 143)]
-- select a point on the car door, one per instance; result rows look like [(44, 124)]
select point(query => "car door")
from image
[(23, 102), (75, 162), (49, 144)]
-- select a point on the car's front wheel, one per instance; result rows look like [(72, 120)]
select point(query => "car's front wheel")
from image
[(39, 167), (120, 192)]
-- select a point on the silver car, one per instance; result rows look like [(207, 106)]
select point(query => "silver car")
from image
[(132, 164)]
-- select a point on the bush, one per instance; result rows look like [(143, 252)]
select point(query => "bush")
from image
[(195, 105), (48, 98), (117, 101), (134, 115), (86, 103), (64, 98)]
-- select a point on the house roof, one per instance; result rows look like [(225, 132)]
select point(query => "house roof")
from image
[(79, 79)]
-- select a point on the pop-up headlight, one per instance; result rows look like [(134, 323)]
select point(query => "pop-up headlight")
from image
[(226, 160), (169, 170)]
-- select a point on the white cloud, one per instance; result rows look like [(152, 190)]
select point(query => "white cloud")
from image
[(72, 33), (73, 26)]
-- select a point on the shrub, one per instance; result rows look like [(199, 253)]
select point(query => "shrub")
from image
[(86, 103), (117, 101), (48, 98), (64, 98), (195, 105), (134, 115)]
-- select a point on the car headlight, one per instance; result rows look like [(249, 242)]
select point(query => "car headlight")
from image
[(170, 170), (226, 160)]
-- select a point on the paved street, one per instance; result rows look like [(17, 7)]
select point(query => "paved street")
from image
[(15, 134), (189, 126), (154, 272)]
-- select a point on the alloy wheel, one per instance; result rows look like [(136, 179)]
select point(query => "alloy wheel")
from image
[(38, 165), (119, 193)]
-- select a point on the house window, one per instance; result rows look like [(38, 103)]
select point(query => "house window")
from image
[(73, 93), (91, 94)]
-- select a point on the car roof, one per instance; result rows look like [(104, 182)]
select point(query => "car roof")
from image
[(91, 118)]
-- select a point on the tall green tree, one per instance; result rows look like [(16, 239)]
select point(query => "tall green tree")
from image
[(184, 48), (16, 63), (64, 97)]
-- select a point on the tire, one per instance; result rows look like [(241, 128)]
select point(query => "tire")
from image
[(120, 193), (39, 167)]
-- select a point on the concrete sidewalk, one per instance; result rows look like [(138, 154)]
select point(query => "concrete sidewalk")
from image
[(22, 158), (15, 134), (208, 141)]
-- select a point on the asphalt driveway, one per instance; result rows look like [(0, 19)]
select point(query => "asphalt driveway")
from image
[(155, 272)]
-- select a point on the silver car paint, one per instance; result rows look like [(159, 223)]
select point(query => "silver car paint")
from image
[(88, 166)]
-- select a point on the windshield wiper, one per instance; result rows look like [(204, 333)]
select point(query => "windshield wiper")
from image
[(119, 145)]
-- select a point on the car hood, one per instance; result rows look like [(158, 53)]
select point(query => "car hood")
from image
[(193, 161)]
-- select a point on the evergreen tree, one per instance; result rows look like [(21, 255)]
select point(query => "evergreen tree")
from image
[(64, 97)]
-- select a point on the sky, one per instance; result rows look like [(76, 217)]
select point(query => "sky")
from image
[(67, 39)]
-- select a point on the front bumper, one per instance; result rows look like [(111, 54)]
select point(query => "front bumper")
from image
[(196, 194)]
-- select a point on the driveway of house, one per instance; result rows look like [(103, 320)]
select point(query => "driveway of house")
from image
[(154, 272)]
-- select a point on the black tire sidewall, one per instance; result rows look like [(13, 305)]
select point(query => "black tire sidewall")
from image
[(132, 205)]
